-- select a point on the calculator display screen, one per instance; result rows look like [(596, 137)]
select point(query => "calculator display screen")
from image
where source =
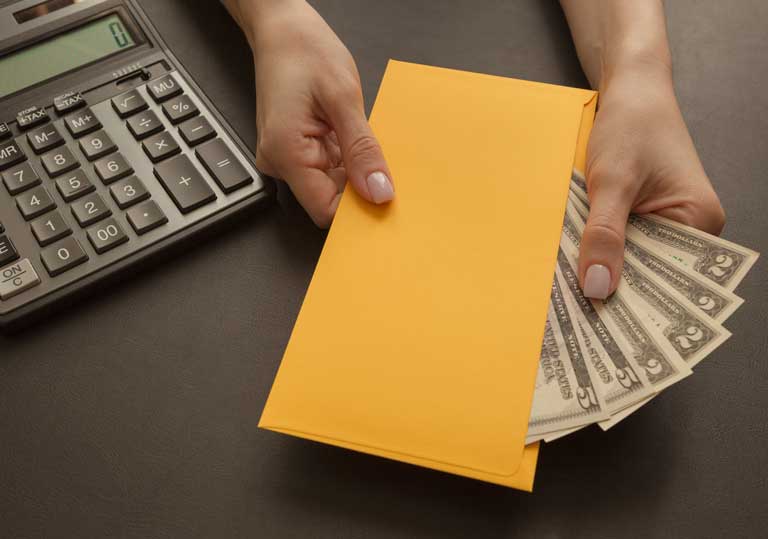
[(63, 52)]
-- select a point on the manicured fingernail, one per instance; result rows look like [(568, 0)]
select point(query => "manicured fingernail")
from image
[(380, 187), (597, 282)]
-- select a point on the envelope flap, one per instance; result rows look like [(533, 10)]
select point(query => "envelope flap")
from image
[(421, 330)]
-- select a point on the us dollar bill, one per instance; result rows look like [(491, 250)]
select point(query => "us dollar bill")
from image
[(692, 334), (633, 333), (622, 381), (566, 395), (718, 260), (712, 299)]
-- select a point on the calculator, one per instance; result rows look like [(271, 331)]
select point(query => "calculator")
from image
[(110, 154)]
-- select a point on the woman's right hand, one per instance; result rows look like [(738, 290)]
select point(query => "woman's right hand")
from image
[(312, 129)]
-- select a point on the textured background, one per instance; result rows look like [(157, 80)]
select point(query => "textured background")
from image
[(133, 414)]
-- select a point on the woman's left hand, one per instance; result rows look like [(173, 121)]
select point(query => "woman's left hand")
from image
[(640, 159)]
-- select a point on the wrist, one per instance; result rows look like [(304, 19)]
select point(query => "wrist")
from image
[(258, 15), (636, 66)]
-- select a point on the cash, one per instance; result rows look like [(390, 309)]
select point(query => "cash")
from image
[(603, 360)]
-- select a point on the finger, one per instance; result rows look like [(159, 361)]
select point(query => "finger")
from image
[(602, 244), (364, 161), (316, 192)]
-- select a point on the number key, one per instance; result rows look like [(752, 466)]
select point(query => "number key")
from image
[(112, 168), (50, 228), (59, 161), (20, 178), (128, 192), (62, 256), (74, 185), (97, 145), (35, 202), (106, 235), (90, 209)]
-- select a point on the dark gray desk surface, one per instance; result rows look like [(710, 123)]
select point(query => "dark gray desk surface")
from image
[(133, 414)]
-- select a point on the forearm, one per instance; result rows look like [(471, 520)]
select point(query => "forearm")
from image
[(251, 14), (613, 37)]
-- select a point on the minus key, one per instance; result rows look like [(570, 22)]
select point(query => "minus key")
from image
[(196, 130)]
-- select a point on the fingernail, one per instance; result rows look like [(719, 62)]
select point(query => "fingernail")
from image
[(380, 187), (597, 282)]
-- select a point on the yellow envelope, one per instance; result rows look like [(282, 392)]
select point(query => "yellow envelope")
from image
[(420, 333)]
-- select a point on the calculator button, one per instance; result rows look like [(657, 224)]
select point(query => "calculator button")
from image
[(49, 228), (106, 235), (68, 101), (20, 178), (179, 109), (145, 124), (74, 185), (225, 168), (17, 278), (97, 145), (90, 209), (44, 138), (163, 88), (34, 202), (196, 131), (112, 168), (30, 117), (8, 252), (184, 183), (82, 122), (5, 131), (128, 192), (128, 103), (59, 161), (160, 146), (62, 256), (10, 154), (146, 216)]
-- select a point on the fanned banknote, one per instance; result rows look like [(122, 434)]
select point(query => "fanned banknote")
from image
[(603, 360)]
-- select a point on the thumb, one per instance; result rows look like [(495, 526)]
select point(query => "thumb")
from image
[(361, 153), (602, 244)]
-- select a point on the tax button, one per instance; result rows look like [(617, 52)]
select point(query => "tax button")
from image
[(17, 278)]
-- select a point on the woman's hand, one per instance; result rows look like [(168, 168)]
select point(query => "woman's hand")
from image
[(640, 159), (312, 129), (640, 156)]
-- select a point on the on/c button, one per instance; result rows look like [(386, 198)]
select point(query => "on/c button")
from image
[(17, 278)]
